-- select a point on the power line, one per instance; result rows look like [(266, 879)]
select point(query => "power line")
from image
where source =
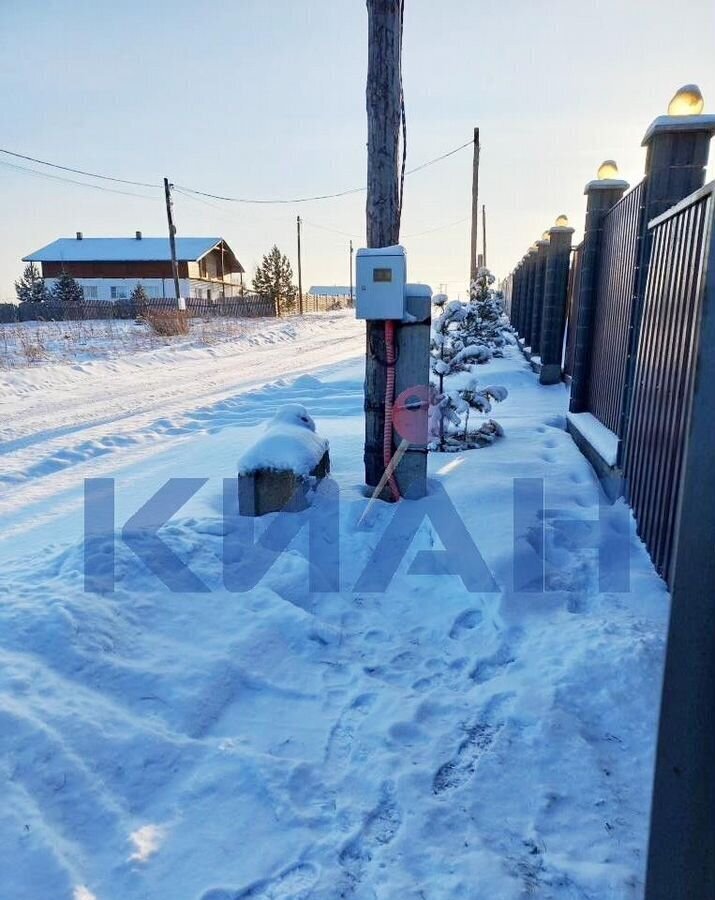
[(44, 162), (96, 187), (436, 228), (193, 191), (347, 234), (357, 190)]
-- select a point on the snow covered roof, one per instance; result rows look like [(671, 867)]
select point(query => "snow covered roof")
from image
[(120, 249), (331, 290)]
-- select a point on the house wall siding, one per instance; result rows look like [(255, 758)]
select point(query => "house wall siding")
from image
[(139, 271), (101, 288)]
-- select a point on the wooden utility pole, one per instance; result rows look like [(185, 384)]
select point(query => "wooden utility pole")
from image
[(352, 299), (180, 303), (484, 236), (384, 107), (300, 273), (475, 208)]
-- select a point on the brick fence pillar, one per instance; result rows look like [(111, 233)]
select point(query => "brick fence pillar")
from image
[(542, 247), (601, 195), (556, 284)]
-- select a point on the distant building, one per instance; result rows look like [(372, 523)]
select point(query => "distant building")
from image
[(332, 290), (110, 268)]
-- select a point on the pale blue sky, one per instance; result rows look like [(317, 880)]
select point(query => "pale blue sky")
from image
[(267, 99)]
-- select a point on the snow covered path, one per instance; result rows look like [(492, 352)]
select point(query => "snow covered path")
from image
[(61, 423), (421, 742)]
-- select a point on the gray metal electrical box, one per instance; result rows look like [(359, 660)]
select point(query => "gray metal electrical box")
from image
[(380, 276)]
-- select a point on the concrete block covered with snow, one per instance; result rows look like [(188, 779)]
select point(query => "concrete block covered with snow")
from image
[(279, 470)]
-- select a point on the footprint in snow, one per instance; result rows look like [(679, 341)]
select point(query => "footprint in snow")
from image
[(342, 735), (478, 741), (294, 883), (379, 828), (465, 621), (488, 667)]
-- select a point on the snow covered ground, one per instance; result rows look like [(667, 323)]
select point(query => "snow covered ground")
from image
[(421, 742)]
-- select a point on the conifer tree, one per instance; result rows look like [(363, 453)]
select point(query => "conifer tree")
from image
[(31, 287), (139, 296), (274, 279), (66, 290)]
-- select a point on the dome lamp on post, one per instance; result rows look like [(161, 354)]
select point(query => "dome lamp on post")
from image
[(607, 170), (607, 178), (562, 221), (685, 113), (687, 101)]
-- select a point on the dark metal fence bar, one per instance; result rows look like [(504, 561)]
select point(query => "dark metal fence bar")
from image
[(615, 295), (572, 312), (665, 371)]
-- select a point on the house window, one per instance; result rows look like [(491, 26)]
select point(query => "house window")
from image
[(199, 293), (152, 291), (90, 291), (117, 292)]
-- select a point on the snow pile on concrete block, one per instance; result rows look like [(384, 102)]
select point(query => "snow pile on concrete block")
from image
[(601, 438), (289, 444)]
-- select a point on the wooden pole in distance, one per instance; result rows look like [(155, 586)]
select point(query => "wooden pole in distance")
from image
[(475, 208), (180, 302), (484, 236), (352, 299), (384, 105), (300, 273)]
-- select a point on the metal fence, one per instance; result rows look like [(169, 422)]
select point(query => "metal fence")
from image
[(617, 278), (248, 306), (666, 370), (325, 303), (651, 282)]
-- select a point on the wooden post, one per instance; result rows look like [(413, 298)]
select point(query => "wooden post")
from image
[(484, 236), (300, 273), (180, 303), (223, 272), (352, 299), (384, 104), (475, 208), (412, 391)]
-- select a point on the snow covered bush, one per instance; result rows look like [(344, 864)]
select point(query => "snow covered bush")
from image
[(465, 335), (449, 417), (167, 322), (486, 321)]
